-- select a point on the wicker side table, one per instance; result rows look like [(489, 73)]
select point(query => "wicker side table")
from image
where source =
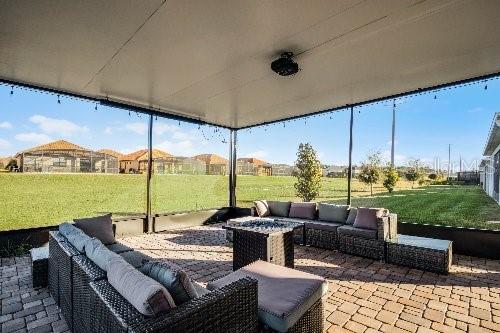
[(427, 254), (40, 266)]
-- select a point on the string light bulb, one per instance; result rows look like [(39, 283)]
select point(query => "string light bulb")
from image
[(486, 87), (12, 90), (95, 107), (58, 99)]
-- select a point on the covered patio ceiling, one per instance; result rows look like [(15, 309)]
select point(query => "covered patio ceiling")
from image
[(209, 60)]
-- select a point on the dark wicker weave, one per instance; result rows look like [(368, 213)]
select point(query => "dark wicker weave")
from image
[(370, 248), (421, 257), (232, 308), (274, 247), (84, 272), (322, 238), (61, 253), (311, 322), (53, 265)]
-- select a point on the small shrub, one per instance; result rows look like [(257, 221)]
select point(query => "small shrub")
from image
[(391, 178), (14, 250)]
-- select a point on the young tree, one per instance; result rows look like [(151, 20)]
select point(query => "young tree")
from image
[(369, 172), (309, 172), (391, 178), (414, 172)]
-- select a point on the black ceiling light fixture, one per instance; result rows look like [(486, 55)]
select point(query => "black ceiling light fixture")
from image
[(285, 66)]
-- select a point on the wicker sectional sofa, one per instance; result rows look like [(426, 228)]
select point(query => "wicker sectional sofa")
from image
[(89, 303), (340, 234)]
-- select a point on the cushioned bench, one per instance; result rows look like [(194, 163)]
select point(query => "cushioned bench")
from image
[(289, 300)]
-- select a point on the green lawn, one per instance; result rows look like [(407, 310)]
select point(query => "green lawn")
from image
[(30, 200), (459, 206)]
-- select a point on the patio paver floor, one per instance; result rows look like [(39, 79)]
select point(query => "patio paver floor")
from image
[(364, 295)]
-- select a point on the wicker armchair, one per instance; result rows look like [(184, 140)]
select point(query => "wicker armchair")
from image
[(232, 308), (370, 247)]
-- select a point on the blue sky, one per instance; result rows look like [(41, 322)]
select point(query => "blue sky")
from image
[(425, 126)]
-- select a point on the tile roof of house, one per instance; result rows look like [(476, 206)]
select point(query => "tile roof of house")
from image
[(253, 160), (142, 155), (5, 160), (55, 145), (111, 153), (211, 159)]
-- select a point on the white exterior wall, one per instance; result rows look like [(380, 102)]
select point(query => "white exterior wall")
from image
[(488, 183)]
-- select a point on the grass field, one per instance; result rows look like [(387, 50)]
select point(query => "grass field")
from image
[(32, 200)]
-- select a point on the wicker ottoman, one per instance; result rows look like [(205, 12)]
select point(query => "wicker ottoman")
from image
[(289, 300), (39, 266), (427, 254)]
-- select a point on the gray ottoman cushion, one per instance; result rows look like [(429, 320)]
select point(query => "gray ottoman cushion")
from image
[(357, 232), (284, 294)]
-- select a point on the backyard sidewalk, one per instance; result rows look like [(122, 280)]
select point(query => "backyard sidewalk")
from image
[(364, 295)]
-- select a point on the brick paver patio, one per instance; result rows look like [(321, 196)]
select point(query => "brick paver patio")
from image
[(364, 295)]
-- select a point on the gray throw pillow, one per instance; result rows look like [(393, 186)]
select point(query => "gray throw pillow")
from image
[(366, 218), (100, 227), (303, 210), (99, 254), (75, 236), (262, 208), (333, 213), (145, 294), (352, 216), (173, 278), (279, 208)]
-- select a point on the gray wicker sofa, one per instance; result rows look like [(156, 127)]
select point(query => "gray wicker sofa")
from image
[(335, 233), (89, 303)]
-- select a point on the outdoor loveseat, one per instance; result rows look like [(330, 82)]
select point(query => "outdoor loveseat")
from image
[(90, 303), (334, 227)]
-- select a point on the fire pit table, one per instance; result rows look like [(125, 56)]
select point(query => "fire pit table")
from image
[(271, 241)]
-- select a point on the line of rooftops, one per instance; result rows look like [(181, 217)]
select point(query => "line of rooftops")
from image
[(63, 156)]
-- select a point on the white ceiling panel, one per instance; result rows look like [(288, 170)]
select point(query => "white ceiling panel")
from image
[(210, 60)]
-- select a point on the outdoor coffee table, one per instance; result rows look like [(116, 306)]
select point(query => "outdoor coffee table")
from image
[(271, 241), (427, 254)]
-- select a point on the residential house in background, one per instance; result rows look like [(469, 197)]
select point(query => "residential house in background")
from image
[(489, 168), (214, 164), (179, 165), (4, 161), (283, 169), (337, 171), (137, 162), (63, 156), (253, 167)]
